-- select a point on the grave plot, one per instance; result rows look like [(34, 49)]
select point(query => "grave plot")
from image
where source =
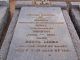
[(41, 33), (75, 15)]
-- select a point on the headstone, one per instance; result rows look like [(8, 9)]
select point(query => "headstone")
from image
[(4, 2), (22, 3), (3, 18), (41, 33)]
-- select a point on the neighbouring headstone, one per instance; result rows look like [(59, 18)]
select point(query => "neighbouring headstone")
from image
[(41, 33), (4, 2), (3, 18)]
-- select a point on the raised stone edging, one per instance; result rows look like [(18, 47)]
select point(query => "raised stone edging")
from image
[(75, 15), (73, 33), (8, 37)]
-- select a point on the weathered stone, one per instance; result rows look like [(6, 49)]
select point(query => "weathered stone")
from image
[(35, 32)]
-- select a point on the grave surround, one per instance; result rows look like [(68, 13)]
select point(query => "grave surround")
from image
[(49, 37)]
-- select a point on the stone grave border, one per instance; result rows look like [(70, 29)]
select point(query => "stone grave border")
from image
[(75, 15), (8, 37), (73, 33)]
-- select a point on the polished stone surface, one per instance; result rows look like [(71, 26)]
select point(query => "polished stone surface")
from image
[(41, 33)]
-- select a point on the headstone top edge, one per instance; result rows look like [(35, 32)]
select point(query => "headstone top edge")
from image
[(20, 4)]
